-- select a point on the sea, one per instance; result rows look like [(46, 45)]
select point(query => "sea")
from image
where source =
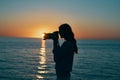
[(32, 59)]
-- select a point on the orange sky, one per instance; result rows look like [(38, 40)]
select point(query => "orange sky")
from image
[(36, 29)]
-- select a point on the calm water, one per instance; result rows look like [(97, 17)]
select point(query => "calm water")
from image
[(32, 59)]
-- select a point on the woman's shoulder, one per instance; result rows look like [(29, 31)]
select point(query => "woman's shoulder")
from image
[(68, 44)]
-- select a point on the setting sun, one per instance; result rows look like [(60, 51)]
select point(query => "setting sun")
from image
[(41, 29), (42, 35)]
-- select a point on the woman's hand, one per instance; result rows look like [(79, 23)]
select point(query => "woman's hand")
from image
[(55, 35)]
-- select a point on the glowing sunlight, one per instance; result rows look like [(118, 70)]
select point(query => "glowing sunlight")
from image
[(43, 35)]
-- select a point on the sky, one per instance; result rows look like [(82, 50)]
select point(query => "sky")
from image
[(89, 19)]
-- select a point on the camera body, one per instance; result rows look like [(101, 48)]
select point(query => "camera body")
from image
[(53, 35), (48, 36)]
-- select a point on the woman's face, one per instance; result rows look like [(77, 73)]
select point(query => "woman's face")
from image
[(61, 33)]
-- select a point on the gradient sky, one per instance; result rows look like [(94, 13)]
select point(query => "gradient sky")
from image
[(89, 19)]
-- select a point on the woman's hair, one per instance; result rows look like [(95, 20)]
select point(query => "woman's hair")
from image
[(68, 35)]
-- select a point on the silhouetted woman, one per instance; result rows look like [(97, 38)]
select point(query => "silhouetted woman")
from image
[(63, 55)]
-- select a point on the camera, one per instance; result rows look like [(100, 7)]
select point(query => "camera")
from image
[(53, 35)]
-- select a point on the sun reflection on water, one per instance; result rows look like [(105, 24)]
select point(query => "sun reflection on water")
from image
[(41, 73)]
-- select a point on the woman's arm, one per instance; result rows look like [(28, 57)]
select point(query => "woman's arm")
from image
[(56, 44)]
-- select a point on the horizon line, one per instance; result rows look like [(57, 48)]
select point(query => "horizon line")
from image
[(61, 38)]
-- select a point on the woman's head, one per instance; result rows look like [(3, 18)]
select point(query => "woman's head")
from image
[(66, 32)]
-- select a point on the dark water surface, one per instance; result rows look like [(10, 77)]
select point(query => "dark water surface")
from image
[(32, 59)]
